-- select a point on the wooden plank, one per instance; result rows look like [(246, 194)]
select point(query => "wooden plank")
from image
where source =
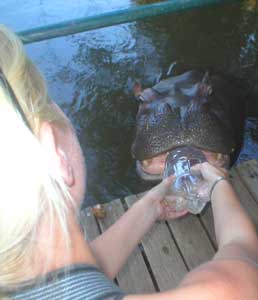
[(134, 276), (192, 240), (206, 218), (89, 224), (162, 253), (248, 171), (246, 199)]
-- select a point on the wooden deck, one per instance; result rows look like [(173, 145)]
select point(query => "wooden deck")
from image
[(172, 248)]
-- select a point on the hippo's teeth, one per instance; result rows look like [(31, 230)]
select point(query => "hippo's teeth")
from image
[(219, 156), (145, 163)]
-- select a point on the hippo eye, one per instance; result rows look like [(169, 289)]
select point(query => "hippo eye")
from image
[(141, 99), (209, 90)]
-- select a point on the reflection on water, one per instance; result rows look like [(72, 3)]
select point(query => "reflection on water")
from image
[(91, 74)]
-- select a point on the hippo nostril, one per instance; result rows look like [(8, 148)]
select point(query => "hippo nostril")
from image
[(168, 108)]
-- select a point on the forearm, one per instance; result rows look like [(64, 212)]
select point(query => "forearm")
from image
[(232, 225), (114, 246)]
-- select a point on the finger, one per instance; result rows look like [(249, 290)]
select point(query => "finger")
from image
[(225, 172), (206, 165), (167, 181), (161, 189), (172, 214), (196, 168)]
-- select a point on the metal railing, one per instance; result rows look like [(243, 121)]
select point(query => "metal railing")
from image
[(113, 18)]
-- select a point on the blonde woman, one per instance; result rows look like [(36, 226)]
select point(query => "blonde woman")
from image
[(43, 254)]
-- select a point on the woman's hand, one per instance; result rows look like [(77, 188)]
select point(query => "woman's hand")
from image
[(155, 199), (209, 172)]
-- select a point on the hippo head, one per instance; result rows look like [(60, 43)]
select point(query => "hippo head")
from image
[(195, 109)]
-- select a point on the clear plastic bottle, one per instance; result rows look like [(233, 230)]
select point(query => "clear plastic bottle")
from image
[(189, 190)]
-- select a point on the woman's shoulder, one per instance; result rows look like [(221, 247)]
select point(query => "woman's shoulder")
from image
[(73, 282), (234, 279), (226, 279)]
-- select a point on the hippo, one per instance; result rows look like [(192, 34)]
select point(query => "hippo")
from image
[(203, 109)]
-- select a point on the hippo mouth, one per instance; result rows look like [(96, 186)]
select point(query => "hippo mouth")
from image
[(152, 169), (202, 110)]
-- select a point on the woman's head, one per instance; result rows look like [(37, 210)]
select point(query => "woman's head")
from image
[(38, 162), (26, 81)]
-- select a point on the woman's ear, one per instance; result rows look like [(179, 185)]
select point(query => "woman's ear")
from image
[(48, 137)]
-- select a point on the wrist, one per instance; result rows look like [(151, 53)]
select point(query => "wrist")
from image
[(150, 208), (219, 186)]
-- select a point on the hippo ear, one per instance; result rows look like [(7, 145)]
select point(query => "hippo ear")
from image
[(206, 77), (206, 80), (137, 90), (171, 69), (205, 87)]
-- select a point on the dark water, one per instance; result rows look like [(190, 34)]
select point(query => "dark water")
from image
[(91, 74)]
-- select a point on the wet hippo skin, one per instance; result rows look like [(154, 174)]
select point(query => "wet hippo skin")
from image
[(202, 109)]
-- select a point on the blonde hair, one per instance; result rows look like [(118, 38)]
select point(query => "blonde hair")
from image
[(29, 185)]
